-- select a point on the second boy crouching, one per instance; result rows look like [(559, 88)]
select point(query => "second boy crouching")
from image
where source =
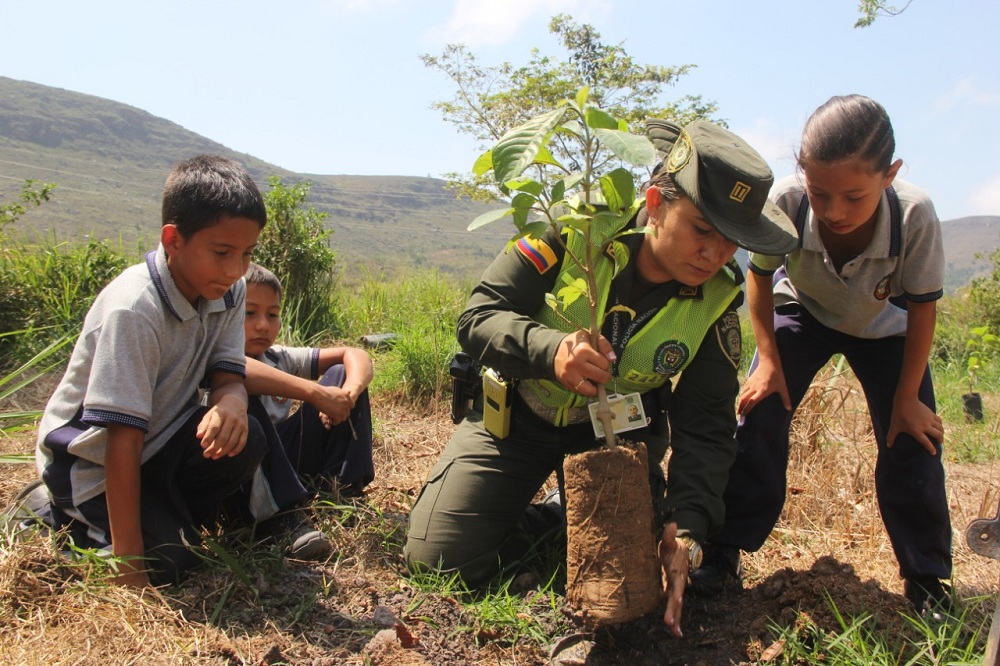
[(328, 440)]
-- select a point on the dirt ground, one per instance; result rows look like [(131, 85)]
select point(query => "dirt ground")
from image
[(360, 608)]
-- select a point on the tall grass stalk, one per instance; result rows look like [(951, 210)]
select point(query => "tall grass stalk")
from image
[(25, 375), (422, 311)]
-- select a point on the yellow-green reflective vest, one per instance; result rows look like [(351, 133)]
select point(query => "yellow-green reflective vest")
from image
[(656, 352)]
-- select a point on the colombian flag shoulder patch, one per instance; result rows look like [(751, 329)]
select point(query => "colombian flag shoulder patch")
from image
[(537, 252)]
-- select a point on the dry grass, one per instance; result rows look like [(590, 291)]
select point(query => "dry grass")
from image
[(831, 508), (52, 612)]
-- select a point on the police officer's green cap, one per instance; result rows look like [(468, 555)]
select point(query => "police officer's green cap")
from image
[(727, 180)]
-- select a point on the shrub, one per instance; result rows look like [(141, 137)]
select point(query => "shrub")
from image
[(48, 287), (295, 246), (984, 292)]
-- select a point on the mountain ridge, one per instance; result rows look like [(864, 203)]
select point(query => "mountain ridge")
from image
[(109, 160)]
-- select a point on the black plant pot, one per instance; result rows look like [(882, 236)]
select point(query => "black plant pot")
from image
[(973, 405)]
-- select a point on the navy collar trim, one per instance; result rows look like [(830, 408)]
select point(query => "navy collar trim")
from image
[(161, 289)]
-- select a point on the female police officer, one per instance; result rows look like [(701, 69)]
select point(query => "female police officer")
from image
[(707, 197)]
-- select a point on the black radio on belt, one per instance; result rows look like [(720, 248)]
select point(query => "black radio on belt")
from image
[(466, 384)]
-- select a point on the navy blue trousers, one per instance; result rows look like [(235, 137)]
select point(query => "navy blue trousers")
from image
[(182, 491), (909, 482), (340, 455)]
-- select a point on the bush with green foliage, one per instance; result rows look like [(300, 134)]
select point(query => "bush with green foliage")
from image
[(984, 293), (46, 286), (295, 245)]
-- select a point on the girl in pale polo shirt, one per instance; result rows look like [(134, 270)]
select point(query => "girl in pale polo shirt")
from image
[(864, 283)]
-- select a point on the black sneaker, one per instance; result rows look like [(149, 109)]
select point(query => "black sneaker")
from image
[(305, 542), (720, 569), (930, 597)]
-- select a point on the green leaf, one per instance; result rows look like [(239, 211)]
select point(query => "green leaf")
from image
[(517, 149), (545, 156), (552, 302), (618, 189), (619, 251), (529, 185), (521, 216), (631, 148), (597, 118), (523, 201), (571, 181), (490, 216), (572, 292), (558, 190), (580, 223), (582, 95), (536, 229), (608, 219), (483, 163)]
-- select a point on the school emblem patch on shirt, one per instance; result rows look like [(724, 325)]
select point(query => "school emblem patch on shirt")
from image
[(731, 337), (882, 288), (670, 357), (537, 252)]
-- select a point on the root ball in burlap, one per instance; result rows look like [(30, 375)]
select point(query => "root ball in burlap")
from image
[(612, 573)]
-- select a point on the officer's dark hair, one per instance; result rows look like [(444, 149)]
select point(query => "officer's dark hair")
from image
[(202, 190), (849, 127), (257, 274), (664, 181)]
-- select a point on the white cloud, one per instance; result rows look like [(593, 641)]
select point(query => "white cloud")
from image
[(966, 93), (985, 199), (492, 22)]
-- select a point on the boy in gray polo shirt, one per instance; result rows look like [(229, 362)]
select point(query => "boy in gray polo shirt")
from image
[(132, 463)]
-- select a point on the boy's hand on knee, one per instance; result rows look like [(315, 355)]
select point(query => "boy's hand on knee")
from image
[(223, 430), (333, 403)]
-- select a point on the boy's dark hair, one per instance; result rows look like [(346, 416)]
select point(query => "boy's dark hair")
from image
[(849, 127), (201, 190), (257, 274)]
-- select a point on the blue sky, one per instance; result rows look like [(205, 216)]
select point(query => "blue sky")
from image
[(337, 86)]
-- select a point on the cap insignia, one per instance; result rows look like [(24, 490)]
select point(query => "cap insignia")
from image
[(680, 154), (740, 192)]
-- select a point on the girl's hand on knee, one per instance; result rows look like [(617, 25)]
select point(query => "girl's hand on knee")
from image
[(762, 382), (914, 418)]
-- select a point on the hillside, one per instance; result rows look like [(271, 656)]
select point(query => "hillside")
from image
[(109, 161), (968, 242)]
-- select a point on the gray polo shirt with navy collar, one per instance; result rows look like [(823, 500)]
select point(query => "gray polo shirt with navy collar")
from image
[(298, 361), (903, 259), (140, 358)]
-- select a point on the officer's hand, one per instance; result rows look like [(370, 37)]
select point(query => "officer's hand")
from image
[(579, 367), (674, 561)]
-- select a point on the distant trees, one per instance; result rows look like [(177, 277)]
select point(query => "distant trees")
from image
[(490, 100)]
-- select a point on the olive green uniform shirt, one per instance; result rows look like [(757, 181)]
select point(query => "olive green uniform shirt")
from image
[(496, 328)]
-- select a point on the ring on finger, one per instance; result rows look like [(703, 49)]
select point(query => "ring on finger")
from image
[(579, 384)]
